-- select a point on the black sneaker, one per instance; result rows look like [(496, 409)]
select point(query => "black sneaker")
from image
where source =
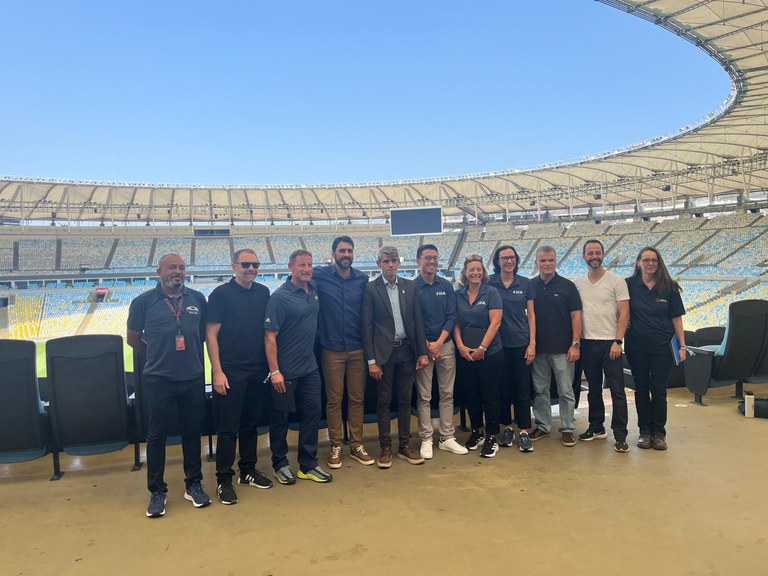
[(255, 478), (156, 506), (475, 440), (621, 446), (226, 493), (507, 437), (490, 447), (524, 442), (590, 434), (196, 494)]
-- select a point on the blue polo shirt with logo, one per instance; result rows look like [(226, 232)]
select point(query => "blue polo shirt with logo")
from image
[(514, 323), (149, 313), (438, 306), (292, 313), (477, 314)]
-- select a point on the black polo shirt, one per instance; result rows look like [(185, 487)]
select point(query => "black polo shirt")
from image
[(241, 312), (477, 314), (341, 308), (555, 300), (438, 306), (149, 313), (514, 324), (650, 316), (292, 313)]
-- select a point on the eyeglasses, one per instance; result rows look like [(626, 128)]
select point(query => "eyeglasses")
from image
[(429, 258), (649, 260), (254, 265), (507, 258)]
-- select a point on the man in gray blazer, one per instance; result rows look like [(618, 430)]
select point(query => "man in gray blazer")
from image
[(395, 347)]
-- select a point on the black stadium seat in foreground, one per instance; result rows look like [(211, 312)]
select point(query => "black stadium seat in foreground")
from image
[(88, 405), (23, 429)]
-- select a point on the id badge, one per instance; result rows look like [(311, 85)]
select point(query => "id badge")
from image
[(180, 343)]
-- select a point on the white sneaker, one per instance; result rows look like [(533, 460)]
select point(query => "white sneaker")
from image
[(426, 449), (452, 446)]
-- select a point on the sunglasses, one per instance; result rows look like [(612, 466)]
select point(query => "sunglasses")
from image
[(254, 265)]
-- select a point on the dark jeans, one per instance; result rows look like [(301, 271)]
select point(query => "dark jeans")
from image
[(596, 361), (400, 371), (240, 411), (516, 388), (481, 381), (309, 409), (650, 372), (167, 399)]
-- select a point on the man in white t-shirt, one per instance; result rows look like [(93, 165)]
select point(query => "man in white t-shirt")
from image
[(605, 300)]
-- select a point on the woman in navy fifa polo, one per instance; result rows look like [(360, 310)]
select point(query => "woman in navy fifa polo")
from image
[(479, 364), (655, 316), (518, 336)]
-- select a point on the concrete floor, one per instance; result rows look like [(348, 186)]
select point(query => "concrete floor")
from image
[(698, 509)]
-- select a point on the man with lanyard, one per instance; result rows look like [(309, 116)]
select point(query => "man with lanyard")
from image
[(235, 335), (558, 334), (166, 326), (340, 288), (438, 310), (290, 329), (605, 298)]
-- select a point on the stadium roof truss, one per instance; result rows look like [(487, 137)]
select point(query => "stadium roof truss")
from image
[(725, 153)]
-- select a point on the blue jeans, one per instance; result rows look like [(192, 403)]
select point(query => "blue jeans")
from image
[(309, 409), (166, 400), (543, 367)]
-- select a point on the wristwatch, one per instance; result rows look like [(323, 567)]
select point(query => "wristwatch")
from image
[(576, 344), (619, 341)]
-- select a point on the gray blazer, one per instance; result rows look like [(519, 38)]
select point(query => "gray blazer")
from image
[(379, 323)]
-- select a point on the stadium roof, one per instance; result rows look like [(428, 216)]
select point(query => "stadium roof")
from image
[(725, 153)]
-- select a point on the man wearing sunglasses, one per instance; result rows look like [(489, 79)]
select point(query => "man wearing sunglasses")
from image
[(241, 398)]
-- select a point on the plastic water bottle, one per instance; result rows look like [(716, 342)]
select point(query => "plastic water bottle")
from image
[(749, 405)]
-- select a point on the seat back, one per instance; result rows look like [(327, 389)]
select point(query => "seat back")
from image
[(708, 336), (22, 425), (89, 405), (745, 338)]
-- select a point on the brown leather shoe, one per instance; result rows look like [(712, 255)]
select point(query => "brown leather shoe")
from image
[(568, 439), (538, 434), (410, 455), (385, 458), (644, 441), (659, 443), (358, 453), (334, 458)]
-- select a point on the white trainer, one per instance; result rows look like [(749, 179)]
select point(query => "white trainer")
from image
[(451, 445), (426, 449)]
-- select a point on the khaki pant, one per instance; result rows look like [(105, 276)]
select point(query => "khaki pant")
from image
[(335, 366), (446, 376)]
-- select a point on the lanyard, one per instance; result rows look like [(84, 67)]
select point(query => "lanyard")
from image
[(176, 311)]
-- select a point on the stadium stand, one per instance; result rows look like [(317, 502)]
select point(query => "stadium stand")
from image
[(283, 245), (63, 314), (6, 255), (37, 254), (212, 253), (131, 254), (86, 253), (180, 246), (255, 243)]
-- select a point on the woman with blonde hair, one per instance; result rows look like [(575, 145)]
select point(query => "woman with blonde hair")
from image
[(481, 360)]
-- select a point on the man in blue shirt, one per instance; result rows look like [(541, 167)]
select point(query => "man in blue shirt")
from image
[(340, 288), (167, 327), (290, 327), (438, 310)]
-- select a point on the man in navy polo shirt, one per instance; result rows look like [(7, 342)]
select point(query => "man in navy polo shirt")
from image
[(340, 288), (167, 327), (558, 335), (235, 334), (438, 311), (290, 328)]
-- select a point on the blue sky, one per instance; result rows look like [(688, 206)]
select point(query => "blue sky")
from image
[(336, 91)]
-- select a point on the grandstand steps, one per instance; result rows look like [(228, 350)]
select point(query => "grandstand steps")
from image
[(108, 262), (193, 252), (16, 255), (269, 250), (59, 243), (152, 249), (681, 261), (4, 323), (231, 242), (753, 241), (87, 319), (569, 251), (452, 260)]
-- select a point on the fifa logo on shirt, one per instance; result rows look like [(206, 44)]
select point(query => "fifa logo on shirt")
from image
[(480, 303), (439, 293), (518, 292)]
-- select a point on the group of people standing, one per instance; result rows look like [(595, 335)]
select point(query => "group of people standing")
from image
[(502, 337)]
